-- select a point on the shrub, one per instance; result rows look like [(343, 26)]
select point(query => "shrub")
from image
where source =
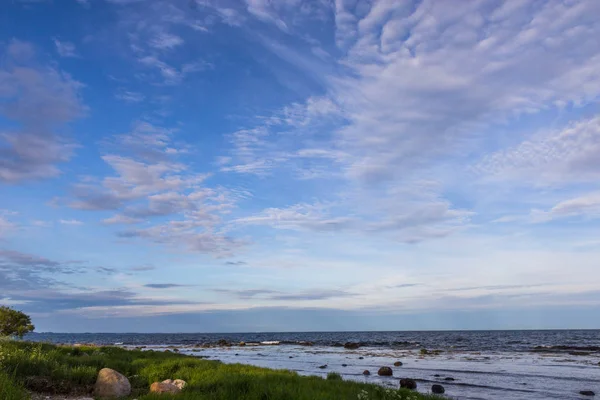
[(14, 323)]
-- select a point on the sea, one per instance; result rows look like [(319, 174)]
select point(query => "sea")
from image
[(491, 365)]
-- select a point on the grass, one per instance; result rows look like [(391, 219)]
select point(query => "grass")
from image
[(68, 370), (9, 390)]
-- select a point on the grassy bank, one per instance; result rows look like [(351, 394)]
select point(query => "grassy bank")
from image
[(10, 390), (52, 369)]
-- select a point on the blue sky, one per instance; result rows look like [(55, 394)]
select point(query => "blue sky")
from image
[(266, 165)]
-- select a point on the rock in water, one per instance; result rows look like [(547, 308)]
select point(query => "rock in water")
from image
[(111, 384), (385, 371), (437, 389), (323, 366), (351, 346), (162, 387), (398, 364), (366, 372), (587, 393), (407, 383), (449, 379)]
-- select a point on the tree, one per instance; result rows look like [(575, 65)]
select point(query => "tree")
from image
[(14, 323)]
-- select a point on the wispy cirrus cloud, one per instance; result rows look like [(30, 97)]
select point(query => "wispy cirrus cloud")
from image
[(130, 97), (65, 49)]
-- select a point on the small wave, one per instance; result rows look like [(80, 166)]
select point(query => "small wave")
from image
[(565, 348)]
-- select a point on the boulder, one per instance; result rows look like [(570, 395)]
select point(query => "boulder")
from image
[(366, 372), (180, 383), (398, 364), (111, 384), (587, 393), (344, 365), (323, 366), (351, 346), (361, 358), (449, 379), (385, 371), (162, 387), (242, 344), (437, 389), (407, 383)]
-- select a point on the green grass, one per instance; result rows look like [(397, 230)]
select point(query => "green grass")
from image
[(9, 390), (49, 368)]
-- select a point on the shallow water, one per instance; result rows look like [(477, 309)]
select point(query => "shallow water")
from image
[(507, 365)]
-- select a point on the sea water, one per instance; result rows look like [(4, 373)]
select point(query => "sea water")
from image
[(502, 365)]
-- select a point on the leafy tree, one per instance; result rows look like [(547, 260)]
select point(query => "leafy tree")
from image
[(14, 323)]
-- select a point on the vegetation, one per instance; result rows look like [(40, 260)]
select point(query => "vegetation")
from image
[(333, 376), (9, 390), (56, 369), (14, 323)]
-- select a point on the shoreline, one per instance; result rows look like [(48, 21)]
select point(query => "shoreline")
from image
[(74, 372)]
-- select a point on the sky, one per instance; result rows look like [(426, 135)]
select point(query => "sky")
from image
[(295, 165)]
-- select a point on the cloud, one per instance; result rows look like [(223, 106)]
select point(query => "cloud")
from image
[(151, 185), (246, 294), (419, 101), (37, 284), (65, 49), (164, 285), (5, 226), (407, 220), (40, 100), (236, 263), (274, 295), (54, 301), (143, 268), (130, 97), (23, 271), (166, 41), (262, 9), (121, 219), (312, 295), (565, 156), (70, 222), (586, 206)]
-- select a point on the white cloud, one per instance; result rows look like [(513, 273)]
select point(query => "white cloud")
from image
[(586, 206), (166, 41), (130, 97), (408, 220), (150, 185), (121, 219), (566, 156), (65, 49), (70, 222), (412, 97)]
